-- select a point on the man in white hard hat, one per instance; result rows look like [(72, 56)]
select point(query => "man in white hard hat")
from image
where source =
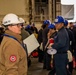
[(24, 35), (13, 58)]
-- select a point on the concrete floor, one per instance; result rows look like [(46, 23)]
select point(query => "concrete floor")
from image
[(36, 68)]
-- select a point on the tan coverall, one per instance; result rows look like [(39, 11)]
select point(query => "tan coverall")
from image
[(13, 58)]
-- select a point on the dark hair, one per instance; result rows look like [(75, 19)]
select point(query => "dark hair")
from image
[(43, 26), (71, 22), (54, 28)]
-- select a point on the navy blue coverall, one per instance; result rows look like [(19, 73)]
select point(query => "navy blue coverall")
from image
[(61, 44)]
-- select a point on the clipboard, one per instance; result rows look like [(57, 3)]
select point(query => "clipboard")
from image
[(31, 43)]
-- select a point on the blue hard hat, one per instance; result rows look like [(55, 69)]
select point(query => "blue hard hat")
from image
[(46, 22), (51, 26), (59, 19), (65, 22)]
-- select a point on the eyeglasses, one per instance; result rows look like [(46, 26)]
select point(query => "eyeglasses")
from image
[(18, 25)]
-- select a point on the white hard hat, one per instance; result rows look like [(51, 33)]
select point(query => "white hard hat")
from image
[(10, 19), (21, 20)]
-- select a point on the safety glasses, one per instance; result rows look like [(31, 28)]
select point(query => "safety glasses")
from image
[(18, 25)]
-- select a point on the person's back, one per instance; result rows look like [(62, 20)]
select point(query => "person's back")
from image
[(40, 48), (45, 25), (74, 32), (40, 36), (28, 29), (1, 33), (71, 40), (44, 35), (24, 34)]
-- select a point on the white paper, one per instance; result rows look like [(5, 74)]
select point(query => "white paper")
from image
[(31, 43)]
